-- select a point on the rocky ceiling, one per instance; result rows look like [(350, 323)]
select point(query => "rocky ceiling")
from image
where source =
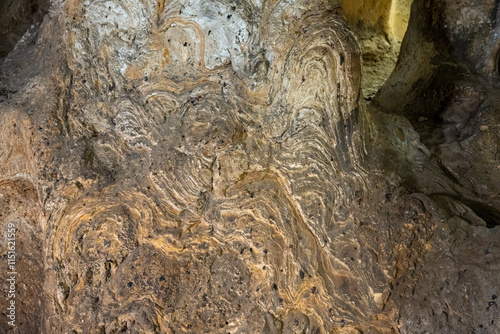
[(249, 166)]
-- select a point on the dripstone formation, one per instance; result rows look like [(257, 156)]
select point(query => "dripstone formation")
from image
[(212, 167)]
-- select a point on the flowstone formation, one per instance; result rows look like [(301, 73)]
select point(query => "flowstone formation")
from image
[(211, 167)]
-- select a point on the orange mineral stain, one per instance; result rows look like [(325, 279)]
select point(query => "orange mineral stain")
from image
[(161, 6), (166, 55)]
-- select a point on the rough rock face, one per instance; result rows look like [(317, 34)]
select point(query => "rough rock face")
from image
[(446, 84), (211, 167), (16, 16), (380, 26)]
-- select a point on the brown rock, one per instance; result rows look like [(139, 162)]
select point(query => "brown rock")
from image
[(211, 167)]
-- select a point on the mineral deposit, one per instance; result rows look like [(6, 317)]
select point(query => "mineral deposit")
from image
[(211, 166)]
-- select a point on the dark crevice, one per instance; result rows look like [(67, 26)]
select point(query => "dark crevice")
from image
[(497, 64), (494, 13), (489, 214)]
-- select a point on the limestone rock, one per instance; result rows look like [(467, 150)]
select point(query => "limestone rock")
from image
[(211, 167)]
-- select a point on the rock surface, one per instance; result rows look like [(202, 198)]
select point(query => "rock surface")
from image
[(211, 167), (16, 16), (380, 26)]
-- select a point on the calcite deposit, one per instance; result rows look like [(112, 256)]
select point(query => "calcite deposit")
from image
[(212, 167)]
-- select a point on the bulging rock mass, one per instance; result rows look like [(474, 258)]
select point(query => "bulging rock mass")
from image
[(212, 167)]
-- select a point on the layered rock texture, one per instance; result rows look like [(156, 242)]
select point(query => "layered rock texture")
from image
[(212, 167)]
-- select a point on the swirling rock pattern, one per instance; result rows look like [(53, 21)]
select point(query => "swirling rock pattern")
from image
[(210, 167)]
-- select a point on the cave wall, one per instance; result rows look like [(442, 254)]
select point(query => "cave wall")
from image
[(212, 167), (446, 86), (389, 16), (379, 27), (17, 16)]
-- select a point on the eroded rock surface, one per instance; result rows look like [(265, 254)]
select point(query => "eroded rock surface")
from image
[(211, 167), (379, 26), (16, 17)]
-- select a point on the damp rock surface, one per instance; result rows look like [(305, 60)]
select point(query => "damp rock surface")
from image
[(211, 167)]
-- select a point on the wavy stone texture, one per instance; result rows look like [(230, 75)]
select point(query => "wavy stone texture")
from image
[(211, 167)]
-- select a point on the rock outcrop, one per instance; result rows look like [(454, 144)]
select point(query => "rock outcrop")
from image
[(212, 167)]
